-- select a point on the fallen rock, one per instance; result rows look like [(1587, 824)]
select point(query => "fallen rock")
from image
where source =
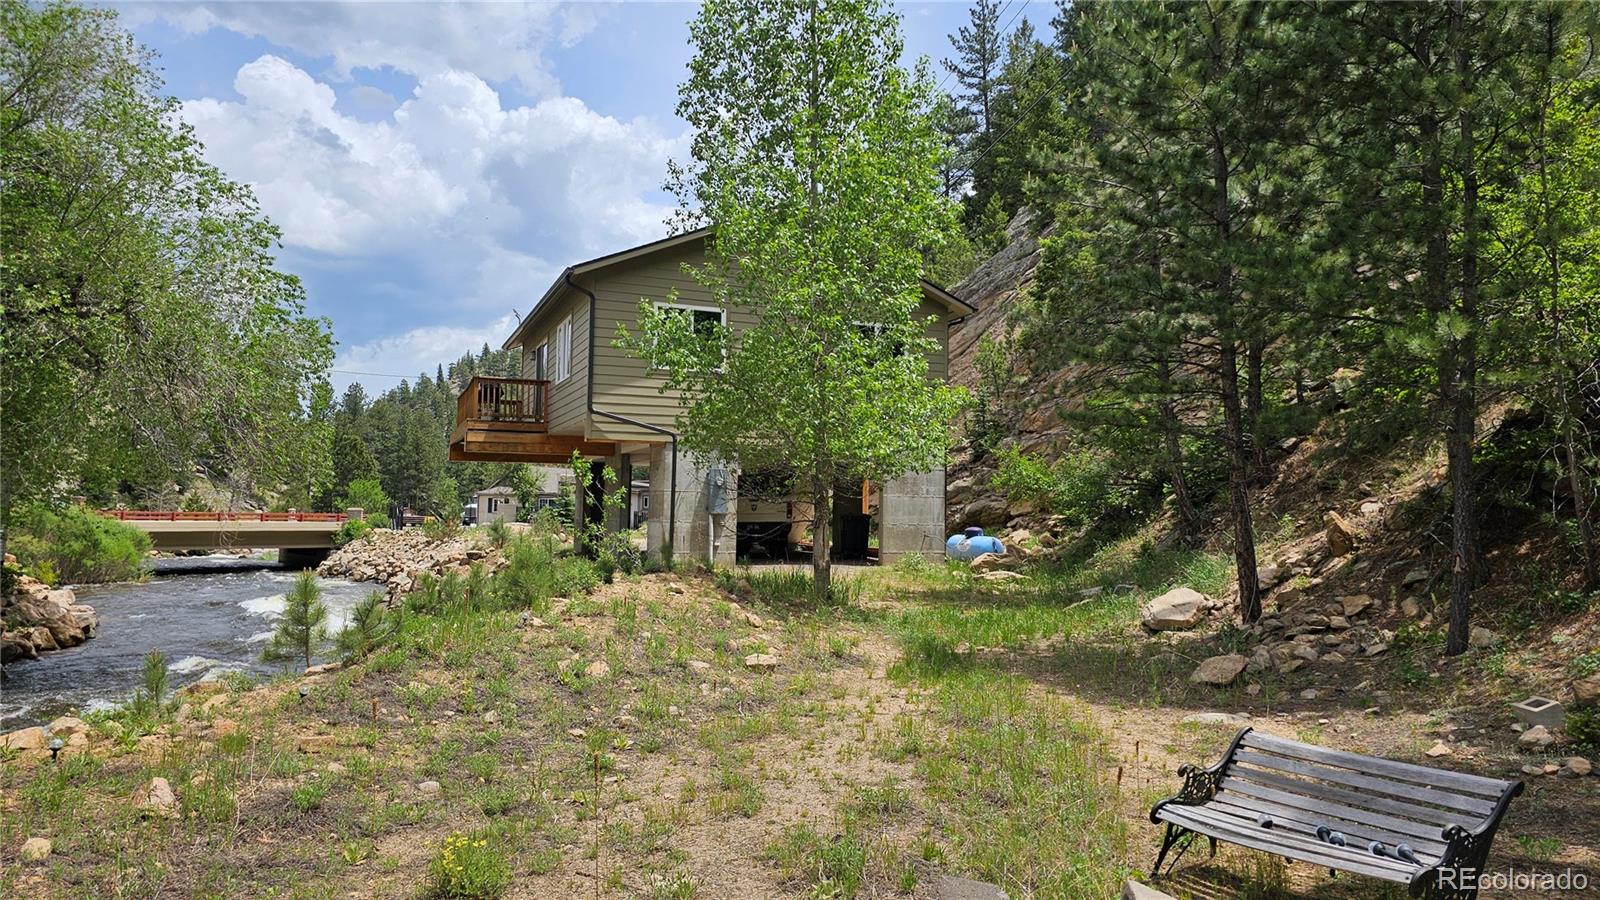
[(1001, 575), (26, 739), (1176, 610), (1482, 638), (429, 788), (1536, 738), (1576, 767), (1219, 670), (1411, 608), (761, 662), (1268, 577), (1586, 692), (156, 799), (699, 665), (598, 669), (36, 850), (987, 562), (1415, 576), (1439, 749), (753, 620), (1341, 535), (1355, 604)]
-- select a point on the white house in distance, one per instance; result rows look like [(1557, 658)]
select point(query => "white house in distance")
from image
[(495, 504), (499, 503)]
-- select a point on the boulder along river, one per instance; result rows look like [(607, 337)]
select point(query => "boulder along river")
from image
[(209, 614)]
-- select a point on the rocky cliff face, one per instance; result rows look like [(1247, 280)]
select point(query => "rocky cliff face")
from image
[(996, 287), (38, 619)]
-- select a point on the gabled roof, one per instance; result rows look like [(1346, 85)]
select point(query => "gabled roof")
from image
[(930, 290)]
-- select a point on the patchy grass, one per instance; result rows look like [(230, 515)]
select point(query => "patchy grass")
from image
[(620, 743)]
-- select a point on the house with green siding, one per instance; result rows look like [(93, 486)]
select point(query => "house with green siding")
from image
[(580, 392)]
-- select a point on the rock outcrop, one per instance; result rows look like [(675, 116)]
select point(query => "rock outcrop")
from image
[(38, 619)]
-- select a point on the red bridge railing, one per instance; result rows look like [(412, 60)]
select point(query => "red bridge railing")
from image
[(157, 515)]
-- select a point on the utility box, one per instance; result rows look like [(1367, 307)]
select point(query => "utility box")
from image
[(718, 499)]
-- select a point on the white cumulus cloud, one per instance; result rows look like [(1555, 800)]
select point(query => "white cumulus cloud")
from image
[(499, 41)]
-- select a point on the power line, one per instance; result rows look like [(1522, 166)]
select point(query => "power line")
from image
[(371, 374)]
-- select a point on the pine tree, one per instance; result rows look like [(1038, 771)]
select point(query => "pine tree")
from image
[(1196, 97), (1416, 165), (302, 629), (977, 63)]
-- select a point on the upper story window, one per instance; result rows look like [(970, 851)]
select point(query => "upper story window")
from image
[(873, 331), (562, 341), (704, 321)]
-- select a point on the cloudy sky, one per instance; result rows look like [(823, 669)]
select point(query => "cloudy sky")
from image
[(434, 166)]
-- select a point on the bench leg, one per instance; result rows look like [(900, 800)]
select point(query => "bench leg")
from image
[(1174, 835), (1166, 844)]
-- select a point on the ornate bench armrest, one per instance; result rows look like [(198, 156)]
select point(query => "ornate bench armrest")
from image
[(1199, 785)]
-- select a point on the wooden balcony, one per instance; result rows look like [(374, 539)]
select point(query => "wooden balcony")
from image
[(508, 420)]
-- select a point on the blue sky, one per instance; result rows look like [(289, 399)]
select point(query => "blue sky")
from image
[(434, 166)]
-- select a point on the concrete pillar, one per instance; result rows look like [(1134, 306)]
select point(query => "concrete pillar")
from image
[(355, 514), (692, 528), (911, 512)]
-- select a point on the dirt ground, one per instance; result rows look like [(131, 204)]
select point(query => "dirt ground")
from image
[(619, 745)]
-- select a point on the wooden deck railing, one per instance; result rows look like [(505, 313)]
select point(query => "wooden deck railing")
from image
[(159, 515), (504, 400)]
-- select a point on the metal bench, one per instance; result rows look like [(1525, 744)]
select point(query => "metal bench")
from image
[(1328, 807)]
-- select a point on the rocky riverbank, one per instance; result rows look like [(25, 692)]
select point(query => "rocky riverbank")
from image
[(397, 558), (38, 619)]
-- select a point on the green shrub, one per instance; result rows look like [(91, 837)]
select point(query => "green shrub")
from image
[(499, 533), (471, 866), (1075, 486), (76, 544), (438, 529), (351, 530), (149, 704), (369, 628), (1583, 728), (367, 495), (786, 589)]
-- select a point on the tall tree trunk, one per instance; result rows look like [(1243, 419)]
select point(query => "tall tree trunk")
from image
[(1462, 375), (1188, 519), (1244, 541), (1254, 354), (821, 539)]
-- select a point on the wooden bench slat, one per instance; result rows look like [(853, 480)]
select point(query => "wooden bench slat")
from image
[(1442, 778), (1475, 806), (1330, 807), (1303, 822), (1246, 821), (1248, 835)]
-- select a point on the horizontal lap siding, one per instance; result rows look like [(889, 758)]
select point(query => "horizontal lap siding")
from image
[(567, 399), (624, 385)]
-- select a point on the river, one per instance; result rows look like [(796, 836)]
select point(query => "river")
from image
[(209, 614)]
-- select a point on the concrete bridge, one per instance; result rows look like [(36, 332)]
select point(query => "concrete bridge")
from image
[(302, 539)]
